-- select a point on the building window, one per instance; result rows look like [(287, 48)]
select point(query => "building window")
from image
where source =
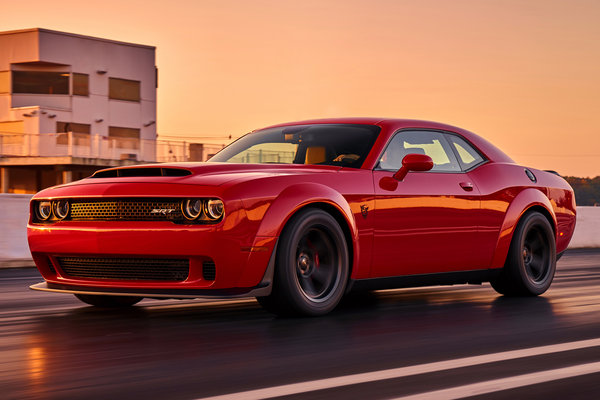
[(124, 138), (80, 136), (40, 82), (72, 127), (81, 85), (123, 89)]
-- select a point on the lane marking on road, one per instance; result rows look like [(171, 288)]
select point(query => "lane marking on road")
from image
[(394, 373), (512, 382)]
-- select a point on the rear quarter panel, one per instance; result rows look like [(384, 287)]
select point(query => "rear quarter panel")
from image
[(507, 193)]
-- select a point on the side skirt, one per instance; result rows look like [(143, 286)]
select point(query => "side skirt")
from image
[(445, 278)]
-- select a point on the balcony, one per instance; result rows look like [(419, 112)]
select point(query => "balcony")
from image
[(97, 147)]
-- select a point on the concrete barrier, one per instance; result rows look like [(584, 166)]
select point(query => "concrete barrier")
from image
[(14, 250), (587, 230)]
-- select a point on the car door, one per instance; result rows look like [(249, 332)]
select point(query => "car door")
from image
[(428, 222)]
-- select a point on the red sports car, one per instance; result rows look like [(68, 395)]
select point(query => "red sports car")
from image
[(298, 214)]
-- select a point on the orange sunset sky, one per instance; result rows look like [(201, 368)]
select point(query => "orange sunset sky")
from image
[(524, 74)]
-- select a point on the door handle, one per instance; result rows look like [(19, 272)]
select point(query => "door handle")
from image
[(467, 186)]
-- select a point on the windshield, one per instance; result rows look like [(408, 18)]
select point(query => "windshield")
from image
[(323, 144)]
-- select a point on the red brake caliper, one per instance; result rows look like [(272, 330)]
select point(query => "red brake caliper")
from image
[(316, 255)]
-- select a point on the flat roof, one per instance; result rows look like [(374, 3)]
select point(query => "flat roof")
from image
[(43, 30)]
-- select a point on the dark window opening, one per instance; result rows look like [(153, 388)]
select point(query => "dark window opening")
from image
[(40, 82), (72, 127), (81, 85), (123, 89), (125, 138), (81, 133)]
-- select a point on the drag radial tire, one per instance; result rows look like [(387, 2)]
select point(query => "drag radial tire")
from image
[(531, 260), (99, 300), (312, 266)]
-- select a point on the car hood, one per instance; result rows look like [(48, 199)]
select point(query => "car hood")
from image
[(203, 174)]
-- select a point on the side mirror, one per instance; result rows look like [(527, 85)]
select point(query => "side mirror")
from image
[(413, 162)]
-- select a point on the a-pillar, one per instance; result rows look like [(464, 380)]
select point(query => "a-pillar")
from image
[(67, 176), (3, 180)]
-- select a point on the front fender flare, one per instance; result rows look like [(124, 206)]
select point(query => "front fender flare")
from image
[(524, 201), (298, 196)]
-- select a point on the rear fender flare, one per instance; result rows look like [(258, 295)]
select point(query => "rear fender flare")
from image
[(524, 201)]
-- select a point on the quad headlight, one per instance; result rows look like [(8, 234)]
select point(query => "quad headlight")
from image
[(214, 208), (44, 210), (186, 211), (61, 208), (192, 208), (203, 209)]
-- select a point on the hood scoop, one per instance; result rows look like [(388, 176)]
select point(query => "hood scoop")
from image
[(143, 171)]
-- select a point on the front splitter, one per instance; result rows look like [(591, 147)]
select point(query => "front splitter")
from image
[(154, 293)]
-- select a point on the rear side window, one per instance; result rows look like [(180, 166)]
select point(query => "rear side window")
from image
[(467, 156)]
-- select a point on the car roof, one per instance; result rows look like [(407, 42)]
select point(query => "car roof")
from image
[(391, 125)]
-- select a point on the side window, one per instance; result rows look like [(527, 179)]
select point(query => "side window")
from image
[(468, 157), (430, 143)]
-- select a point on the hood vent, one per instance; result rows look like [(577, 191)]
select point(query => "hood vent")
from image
[(146, 171)]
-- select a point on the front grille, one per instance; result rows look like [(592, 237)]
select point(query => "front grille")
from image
[(50, 266), (145, 269), (209, 271), (128, 210)]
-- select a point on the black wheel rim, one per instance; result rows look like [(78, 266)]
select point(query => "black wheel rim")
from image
[(535, 253), (317, 263)]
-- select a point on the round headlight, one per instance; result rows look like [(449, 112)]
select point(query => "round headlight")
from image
[(192, 208), (61, 208), (214, 208), (44, 209)]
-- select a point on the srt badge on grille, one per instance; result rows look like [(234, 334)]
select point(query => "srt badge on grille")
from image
[(163, 211)]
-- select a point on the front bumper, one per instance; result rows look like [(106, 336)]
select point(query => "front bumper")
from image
[(240, 259)]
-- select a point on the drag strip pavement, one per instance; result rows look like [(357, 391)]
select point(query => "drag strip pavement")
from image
[(451, 393), (432, 342)]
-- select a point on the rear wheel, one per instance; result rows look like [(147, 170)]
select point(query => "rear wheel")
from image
[(531, 261), (312, 266), (99, 300)]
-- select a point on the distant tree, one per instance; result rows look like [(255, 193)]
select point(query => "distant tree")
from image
[(587, 190)]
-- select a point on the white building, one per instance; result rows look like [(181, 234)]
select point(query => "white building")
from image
[(71, 104)]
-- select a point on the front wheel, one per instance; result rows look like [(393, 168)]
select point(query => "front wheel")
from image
[(99, 300), (312, 266), (531, 261)]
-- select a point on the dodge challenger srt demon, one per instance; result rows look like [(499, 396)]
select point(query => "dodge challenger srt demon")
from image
[(298, 214)]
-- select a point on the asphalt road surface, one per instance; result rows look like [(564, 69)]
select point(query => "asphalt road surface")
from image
[(436, 342)]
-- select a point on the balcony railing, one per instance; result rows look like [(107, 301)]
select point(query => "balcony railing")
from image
[(80, 145)]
